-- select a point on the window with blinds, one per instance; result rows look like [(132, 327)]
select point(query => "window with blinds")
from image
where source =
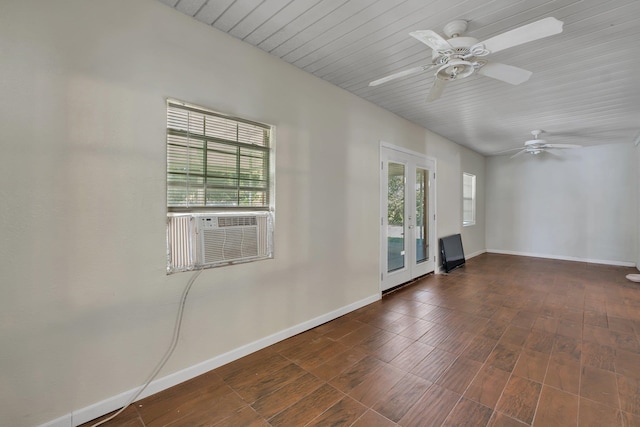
[(219, 203), (216, 161), (468, 199)]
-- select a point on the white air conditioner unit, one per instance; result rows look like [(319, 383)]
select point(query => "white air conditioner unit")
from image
[(232, 237), (199, 240)]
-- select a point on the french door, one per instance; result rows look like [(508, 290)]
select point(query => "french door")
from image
[(407, 223)]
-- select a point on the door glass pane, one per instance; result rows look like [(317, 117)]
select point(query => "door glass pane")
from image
[(422, 215), (395, 219)]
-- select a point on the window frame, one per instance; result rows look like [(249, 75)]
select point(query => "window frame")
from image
[(267, 151), (190, 244), (469, 198)]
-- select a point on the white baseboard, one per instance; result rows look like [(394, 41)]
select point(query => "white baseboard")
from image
[(98, 409), (65, 421), (563, 258), (469, 256)]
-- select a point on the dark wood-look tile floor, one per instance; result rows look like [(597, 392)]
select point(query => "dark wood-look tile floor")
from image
[(503, 341)]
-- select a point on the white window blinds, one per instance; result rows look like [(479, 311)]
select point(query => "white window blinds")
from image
[(214, 160), (468, 199)]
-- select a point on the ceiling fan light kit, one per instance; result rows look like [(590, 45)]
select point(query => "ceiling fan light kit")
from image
[(456, 69), (458, 56)]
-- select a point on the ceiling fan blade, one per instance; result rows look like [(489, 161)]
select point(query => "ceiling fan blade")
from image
[(508, 150), (518, 153), (527, 33), (431, 39), (404, 73), (552, 154), (436, 89), (505, 73), (562, 146)]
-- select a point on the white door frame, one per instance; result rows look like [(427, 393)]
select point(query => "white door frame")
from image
[(407, 273)]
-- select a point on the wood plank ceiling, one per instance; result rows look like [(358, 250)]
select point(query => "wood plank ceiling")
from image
[(585, 87)]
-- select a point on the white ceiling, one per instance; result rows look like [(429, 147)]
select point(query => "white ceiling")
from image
[(585, 87)]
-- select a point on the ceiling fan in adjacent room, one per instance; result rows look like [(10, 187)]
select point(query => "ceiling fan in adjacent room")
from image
[(459, 56), (537, 145)]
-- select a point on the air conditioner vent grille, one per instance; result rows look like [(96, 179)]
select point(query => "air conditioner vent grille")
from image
[(237, 221), (229, 245)]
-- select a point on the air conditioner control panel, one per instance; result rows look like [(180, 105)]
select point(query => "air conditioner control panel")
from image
[(208, 222)]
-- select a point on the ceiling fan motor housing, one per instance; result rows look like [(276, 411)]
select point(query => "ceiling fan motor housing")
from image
[(461, 48), (535, 143)]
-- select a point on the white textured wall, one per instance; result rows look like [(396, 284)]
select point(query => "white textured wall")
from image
[(448, 186), (638, 217), (582, 205), (87, 309)]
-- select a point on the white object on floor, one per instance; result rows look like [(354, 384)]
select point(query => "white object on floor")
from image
[(634, 277)]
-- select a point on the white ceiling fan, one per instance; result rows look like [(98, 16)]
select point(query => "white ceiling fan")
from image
[(458, 57), (537, 146)]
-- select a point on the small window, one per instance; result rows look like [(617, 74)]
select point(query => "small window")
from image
[(219, 189), (468, 199), (216, 161)]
